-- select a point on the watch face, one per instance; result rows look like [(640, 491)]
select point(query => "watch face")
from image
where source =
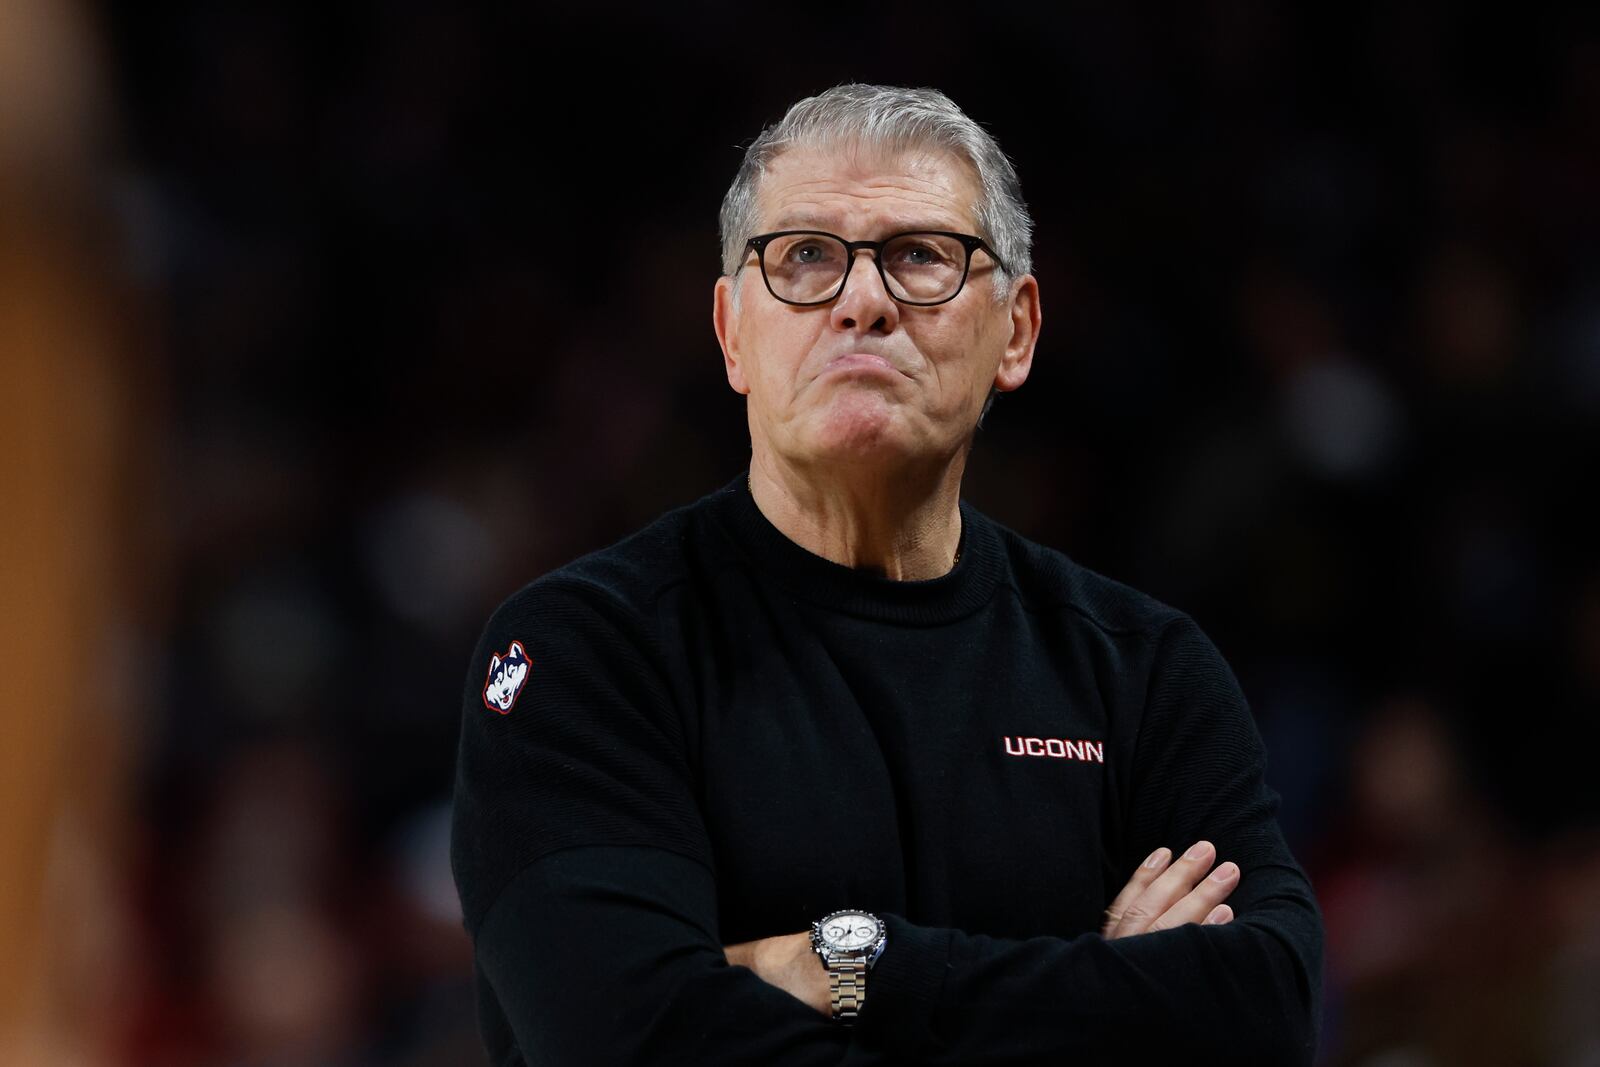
[(850, 931)]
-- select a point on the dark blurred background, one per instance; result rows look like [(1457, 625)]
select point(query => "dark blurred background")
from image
[(327, 328)]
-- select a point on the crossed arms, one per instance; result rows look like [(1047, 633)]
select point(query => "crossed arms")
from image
[(1160, 895)]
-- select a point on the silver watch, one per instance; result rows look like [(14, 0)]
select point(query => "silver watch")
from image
[(849, 943)]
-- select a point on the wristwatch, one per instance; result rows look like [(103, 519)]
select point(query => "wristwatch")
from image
[(849, 943)]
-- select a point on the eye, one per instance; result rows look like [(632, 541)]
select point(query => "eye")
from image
[(919, 250), (807, 252)]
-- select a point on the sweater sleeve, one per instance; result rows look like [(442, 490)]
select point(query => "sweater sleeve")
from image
[(582, 863), (1245, 992), (568, 737)]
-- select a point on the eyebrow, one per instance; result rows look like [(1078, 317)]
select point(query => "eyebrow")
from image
[(806, 220)]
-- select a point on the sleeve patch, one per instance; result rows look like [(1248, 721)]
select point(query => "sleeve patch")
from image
[(507, 673)]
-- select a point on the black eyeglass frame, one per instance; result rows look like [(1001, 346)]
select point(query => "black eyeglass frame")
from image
[(759, 243)]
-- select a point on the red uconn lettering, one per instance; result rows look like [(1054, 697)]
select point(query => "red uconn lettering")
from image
[(1056, 748)]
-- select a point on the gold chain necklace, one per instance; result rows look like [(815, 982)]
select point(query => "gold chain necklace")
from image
[(751, 489)]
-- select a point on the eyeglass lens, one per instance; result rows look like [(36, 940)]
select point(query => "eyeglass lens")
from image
[(919, 267)]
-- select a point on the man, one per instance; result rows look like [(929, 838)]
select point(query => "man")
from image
[(834, 691)]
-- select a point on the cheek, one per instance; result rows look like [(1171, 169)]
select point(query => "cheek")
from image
[(985, 345), (960, 355), (777, 355)]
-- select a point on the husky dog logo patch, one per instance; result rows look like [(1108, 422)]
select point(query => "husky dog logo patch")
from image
[(506, 674)]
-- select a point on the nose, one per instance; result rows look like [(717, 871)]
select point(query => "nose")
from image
[(864, 306)]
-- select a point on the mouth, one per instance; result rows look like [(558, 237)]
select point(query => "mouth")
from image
[(860, 362)]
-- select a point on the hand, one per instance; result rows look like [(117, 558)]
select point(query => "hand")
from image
[(1159, 897), (790, 963)]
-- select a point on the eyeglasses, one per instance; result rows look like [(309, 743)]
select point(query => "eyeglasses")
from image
[(923, 268)]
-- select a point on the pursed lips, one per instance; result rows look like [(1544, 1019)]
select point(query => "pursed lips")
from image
[(861, 361)]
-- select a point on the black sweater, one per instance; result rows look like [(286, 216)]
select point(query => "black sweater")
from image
[(719, 736)]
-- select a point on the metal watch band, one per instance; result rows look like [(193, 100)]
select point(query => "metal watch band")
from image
[(847, 981)]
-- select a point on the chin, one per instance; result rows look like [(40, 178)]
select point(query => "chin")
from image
[(861, 427)]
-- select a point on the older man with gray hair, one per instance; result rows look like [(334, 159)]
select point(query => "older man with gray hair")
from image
[(829, 767)]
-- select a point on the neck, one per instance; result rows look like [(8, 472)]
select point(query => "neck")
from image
[(902, 522)]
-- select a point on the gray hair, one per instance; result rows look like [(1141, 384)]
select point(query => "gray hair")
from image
[(895, 119)]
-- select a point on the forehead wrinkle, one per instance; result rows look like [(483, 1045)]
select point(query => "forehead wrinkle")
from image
[(873, 188), (818, 202)]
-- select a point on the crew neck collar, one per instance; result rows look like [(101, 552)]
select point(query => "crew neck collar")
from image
[(968, 585)]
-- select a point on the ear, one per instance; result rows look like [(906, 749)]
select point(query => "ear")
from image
[(725, 320), (494, 662), (1017, 360)]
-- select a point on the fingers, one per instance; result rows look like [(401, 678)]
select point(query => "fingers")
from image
[(1199, 902), (1181, 893), (1147, 872)]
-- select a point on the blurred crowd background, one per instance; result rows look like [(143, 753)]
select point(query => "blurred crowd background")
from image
[(325, 328)]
